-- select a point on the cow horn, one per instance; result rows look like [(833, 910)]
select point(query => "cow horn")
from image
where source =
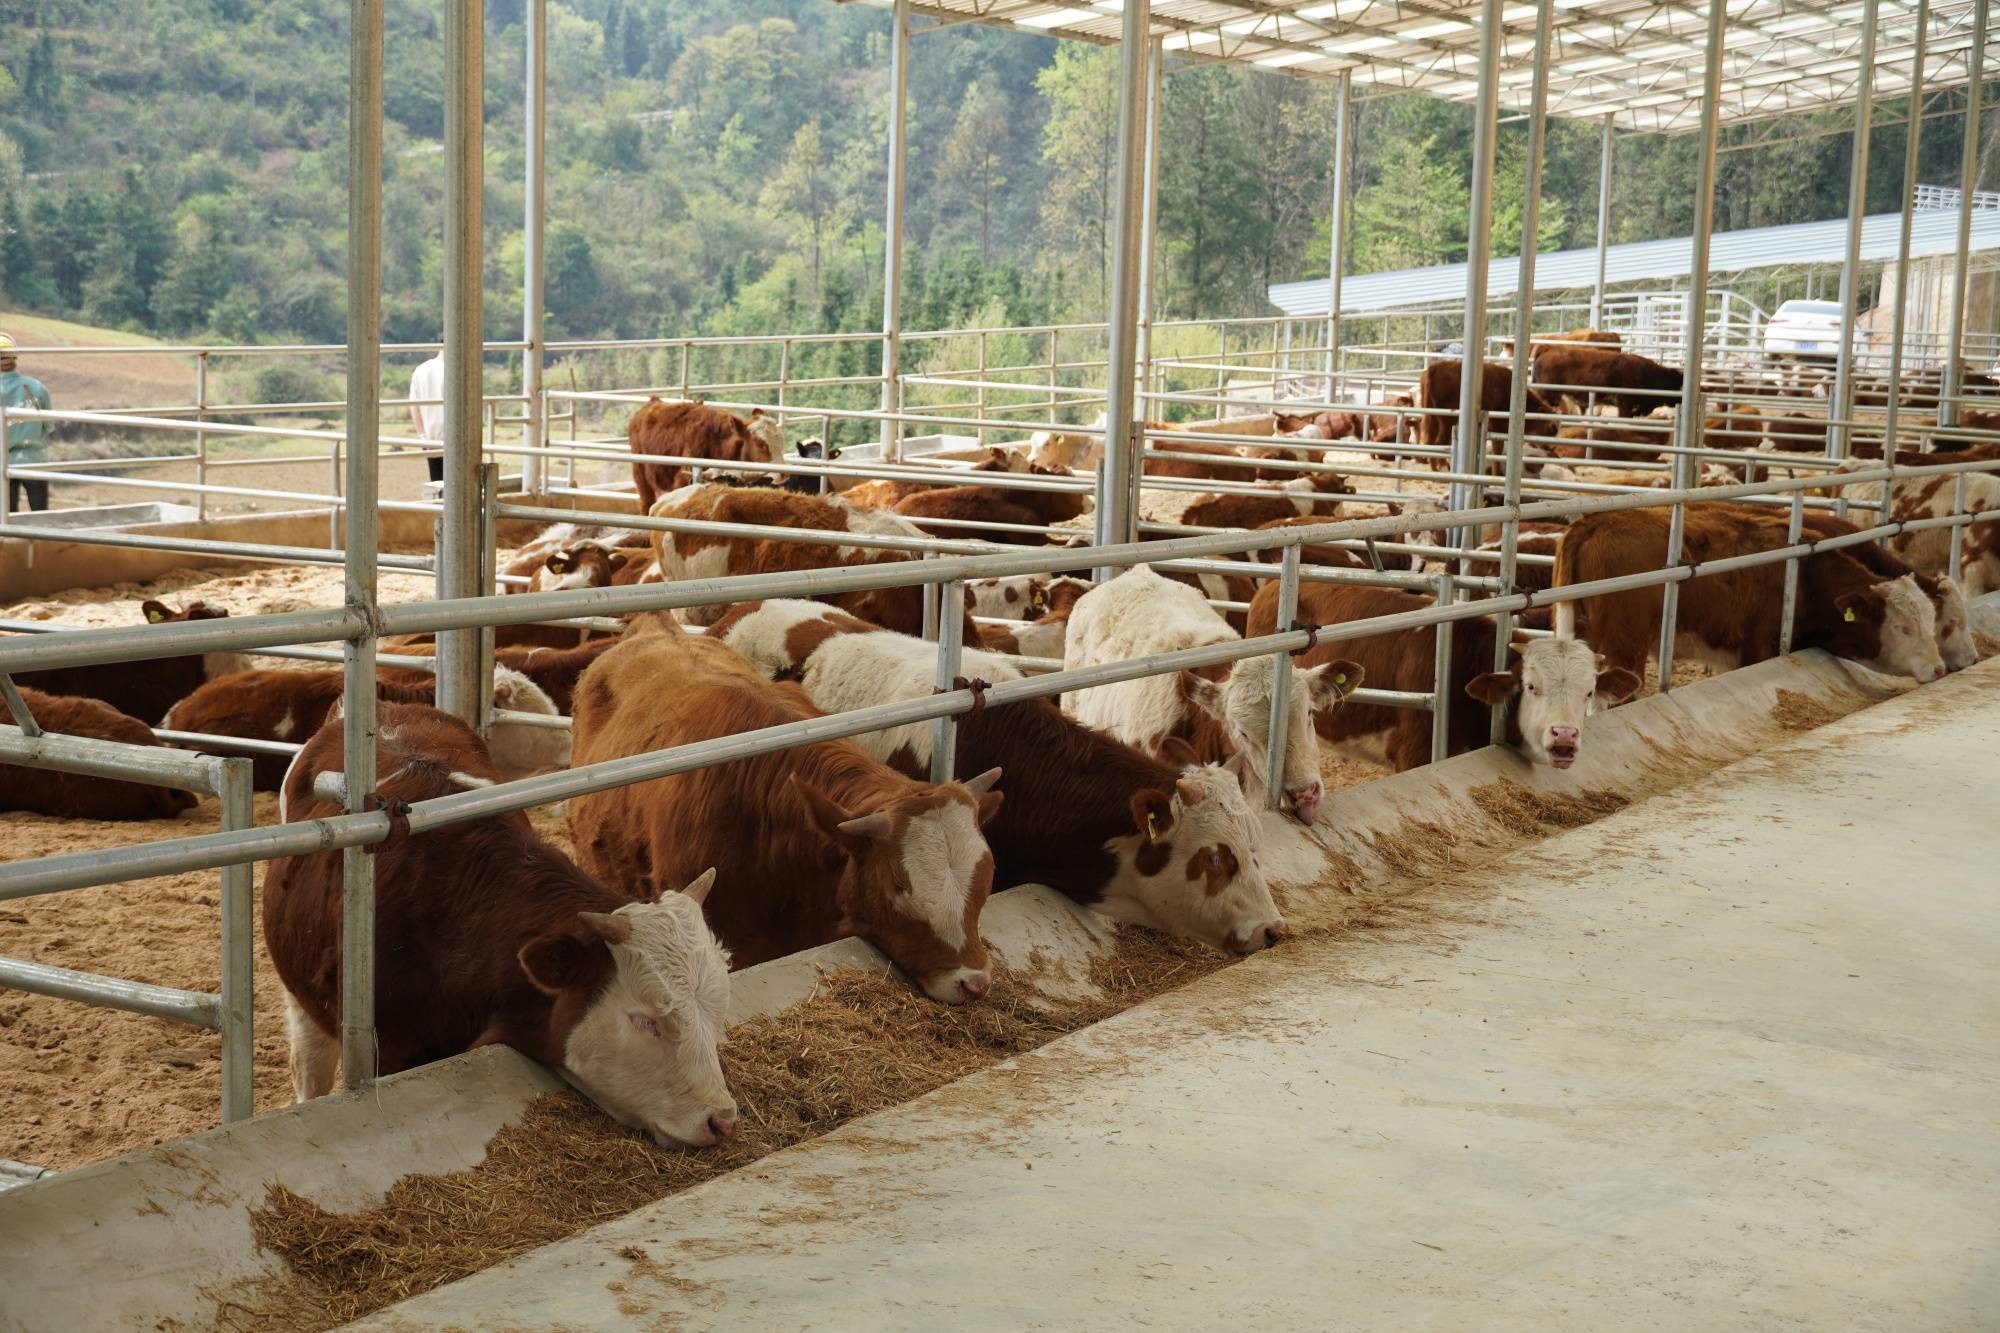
[(982, 784), (607, 926), (703, 882), (871, 826)]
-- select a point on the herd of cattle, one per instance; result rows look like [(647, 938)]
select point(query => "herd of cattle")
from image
[(1138, 799)]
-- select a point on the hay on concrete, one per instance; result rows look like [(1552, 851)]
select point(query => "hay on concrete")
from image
[(1801, 712), (862, 1043), (1529, 813)]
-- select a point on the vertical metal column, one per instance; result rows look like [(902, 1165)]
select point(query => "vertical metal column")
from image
[(1118, 498), (1841, 406), (1968, 177), (201, 436), (1517, 402), (1281, 680), (1899, 318), (460, 690), (950, 658), (1149, 222), (1468, 456), (1687, 422), (232, 780), (892, 228), (534, 426), (1336, 225), (364, 413), (1603, 225)]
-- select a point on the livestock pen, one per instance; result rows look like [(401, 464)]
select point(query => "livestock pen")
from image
[(1109, 393)]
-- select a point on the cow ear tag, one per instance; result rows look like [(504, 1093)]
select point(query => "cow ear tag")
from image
[(1152, 827), (154, 617), (1850, 614)]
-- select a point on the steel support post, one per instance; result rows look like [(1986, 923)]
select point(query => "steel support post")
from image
[(459, 687), (1687, 422), (1149, 220), (1838, 440), (1118, 502), (1899, 318), (534, 424), (201, 436), (892, 228), (364, 381), (1471, 442), (950, 666), (232, 783), (1336, 224), (1603, 223), (1517, 404), (1968, 176), (1281, 680)]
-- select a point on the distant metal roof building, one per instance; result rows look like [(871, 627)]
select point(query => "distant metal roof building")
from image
[(1932, 232)]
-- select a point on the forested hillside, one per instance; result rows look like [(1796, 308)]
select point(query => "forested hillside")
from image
[(716, 166)]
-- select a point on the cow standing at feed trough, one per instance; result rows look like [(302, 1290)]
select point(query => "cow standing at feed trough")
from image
[(694, 430), (1217, 711), (1168, 843), (490, 936), (1732, 619), (1549, 690), (73, 795), (811, 844), (145, 690)]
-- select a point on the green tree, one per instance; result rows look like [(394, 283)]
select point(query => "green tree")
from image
[(804, 188), (1413, 215), (1080, 148), (198, 275), (572, 284), (974, 164)]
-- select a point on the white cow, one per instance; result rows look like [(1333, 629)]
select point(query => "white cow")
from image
[(1139, 613), (1559, 683)]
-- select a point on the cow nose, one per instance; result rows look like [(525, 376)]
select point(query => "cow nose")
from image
[(973, 987), (1563, 735), (1305, 803), (722, 1125)]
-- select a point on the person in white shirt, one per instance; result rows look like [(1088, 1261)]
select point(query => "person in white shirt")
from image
[(427, 411)]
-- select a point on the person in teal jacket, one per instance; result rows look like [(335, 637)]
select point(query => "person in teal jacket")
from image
[(27, 438)]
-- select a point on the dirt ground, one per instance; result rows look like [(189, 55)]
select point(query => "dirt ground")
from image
[(402, 478)]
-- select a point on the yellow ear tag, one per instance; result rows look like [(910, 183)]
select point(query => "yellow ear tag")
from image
[(1850, 614), (1152, 827), (154, 617), (558, 565), (1340, 679)]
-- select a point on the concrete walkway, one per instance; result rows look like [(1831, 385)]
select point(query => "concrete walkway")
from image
[(1725, 1060)]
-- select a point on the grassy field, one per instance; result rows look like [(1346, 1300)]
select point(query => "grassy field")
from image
[(139, 378)]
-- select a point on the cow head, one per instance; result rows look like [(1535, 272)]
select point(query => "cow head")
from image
[(1954, 621), (1189, 867), (584, 565), (918, 872), (520, 748), (1241, 703), (159, 613), (765, 429), (642, 995), (1559, 683), (1889, 627)]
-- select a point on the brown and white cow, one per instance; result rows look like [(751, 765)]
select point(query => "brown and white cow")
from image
[(488, 935), (1071, 451), (145, 690), (811, 844), (1551, 687), (1019, 596), (1732, 618), (885, 492), (694, 430), (1043, 636), (686, 555), (1929, 549), (553, 670), (1219, 711), (288, 705), (1317, 495), (72, 795), (1166, 843), (992, 504)]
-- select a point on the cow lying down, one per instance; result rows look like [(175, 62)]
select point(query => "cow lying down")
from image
[(73, 795), (1164, 842), (491, 936), (810, 844)]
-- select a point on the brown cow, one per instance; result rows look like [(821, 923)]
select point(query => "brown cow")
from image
[(1795, 432), (1438, 387), (992, 504), (884, 492), (285, 705), (1634, 384), (1633, 444), (72, 795), (812, 843), (1307, 497), (1557, 683), (490, 936), (1732, 618), (145, 690), (553, 670), (694, 430)]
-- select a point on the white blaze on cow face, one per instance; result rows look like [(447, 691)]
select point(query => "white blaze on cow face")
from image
[(1954, 626), (1909, 633), (521, 748), (1242, 704), (947, 868), (1556, 684), (645, 1049), (1191, 867)]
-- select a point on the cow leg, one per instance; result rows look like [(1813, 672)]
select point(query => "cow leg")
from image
[(642, 477), (315, 1053)]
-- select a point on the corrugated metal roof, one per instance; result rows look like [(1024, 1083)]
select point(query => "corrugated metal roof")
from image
[(1931, 233), (1639, 61)]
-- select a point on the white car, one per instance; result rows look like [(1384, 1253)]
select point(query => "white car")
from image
[(1804, 329)]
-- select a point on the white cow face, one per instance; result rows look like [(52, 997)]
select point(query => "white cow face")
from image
[(644, 1047), (1241, 703), (521, 748), (1889, 627), (1190, 867), (1954, 626), (1559, 683)]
